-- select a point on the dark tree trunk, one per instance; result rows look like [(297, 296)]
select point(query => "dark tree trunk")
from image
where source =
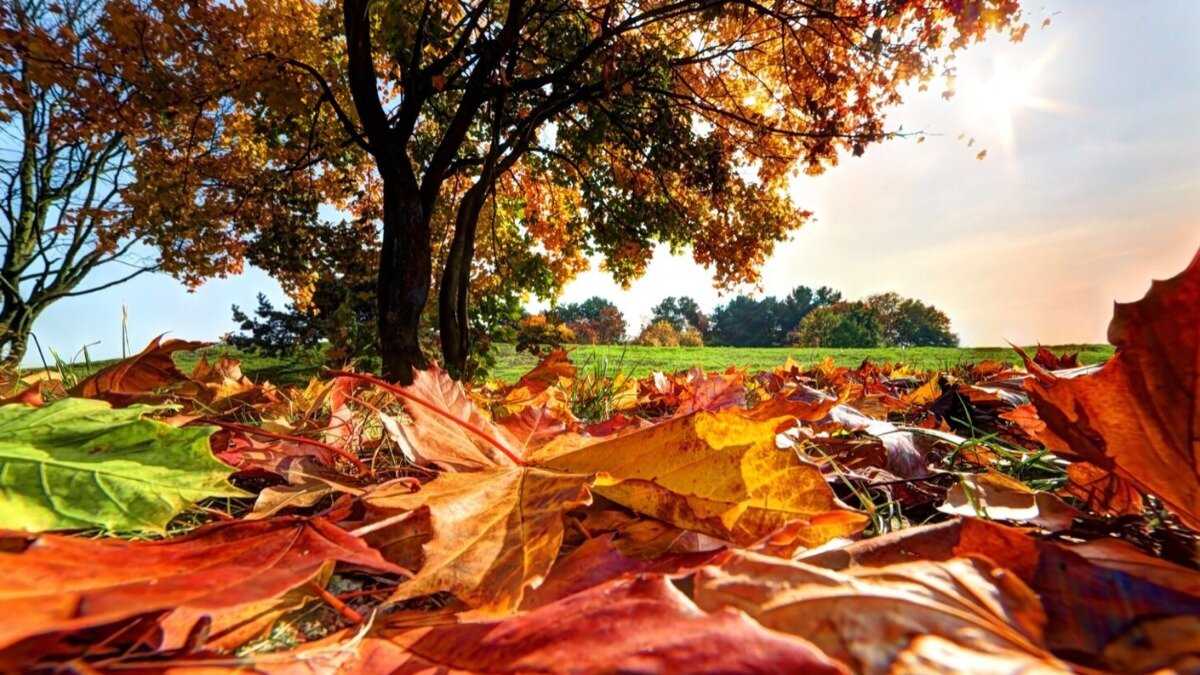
[(456, 281), (405, 272), (15, 327)]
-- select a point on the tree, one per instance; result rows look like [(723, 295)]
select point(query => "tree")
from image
[(594, 321), (60, 177), (844, 324), (906, 322), (676, 121), (746, 322), (128, 129), (681, 313)]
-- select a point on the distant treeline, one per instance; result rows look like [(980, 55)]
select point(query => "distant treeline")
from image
[(805, 317), (342, 321)]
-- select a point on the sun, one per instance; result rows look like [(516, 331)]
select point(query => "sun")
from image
[(997, 98)]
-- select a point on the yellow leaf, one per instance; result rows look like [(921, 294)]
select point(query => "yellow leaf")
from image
[(720, 473)]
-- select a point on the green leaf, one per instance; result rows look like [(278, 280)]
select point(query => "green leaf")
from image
[(79, 463)]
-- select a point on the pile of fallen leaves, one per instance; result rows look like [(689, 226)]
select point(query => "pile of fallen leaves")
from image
[(981, 519)]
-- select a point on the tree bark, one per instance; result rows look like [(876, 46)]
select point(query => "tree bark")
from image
[(15, 327), (453, 325), (405, 273)]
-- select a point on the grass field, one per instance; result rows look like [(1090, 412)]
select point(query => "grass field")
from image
[(638, 361)]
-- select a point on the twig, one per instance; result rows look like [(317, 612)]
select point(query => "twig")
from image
[(333, 601)]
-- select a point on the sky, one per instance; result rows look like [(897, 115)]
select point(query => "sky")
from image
[(1089, 190)]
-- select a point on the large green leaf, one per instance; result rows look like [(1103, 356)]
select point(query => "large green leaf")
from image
[(79, 463)]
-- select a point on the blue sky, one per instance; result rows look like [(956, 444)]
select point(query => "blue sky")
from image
[(1096, 193)]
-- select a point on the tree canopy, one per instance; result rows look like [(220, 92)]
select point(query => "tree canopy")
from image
[(547, 129), (748, 322), (881, 320), (593, 321)]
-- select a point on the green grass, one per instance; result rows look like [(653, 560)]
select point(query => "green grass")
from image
[(638, 361), (633, 360)]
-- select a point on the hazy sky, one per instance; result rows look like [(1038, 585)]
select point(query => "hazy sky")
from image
[(1090, 189)]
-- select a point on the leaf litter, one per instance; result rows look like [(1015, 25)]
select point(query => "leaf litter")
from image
[(825, 519)]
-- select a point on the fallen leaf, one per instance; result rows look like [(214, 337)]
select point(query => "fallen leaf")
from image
[(80, 463), (869, 618), (140, 374), (1139, 416), (629, 625), (448, 430), (55, 584), (495, 532), (995, 496), (720, 473)]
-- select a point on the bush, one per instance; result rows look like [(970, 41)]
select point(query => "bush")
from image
[(537, 335), (691, 337), (658, 334)]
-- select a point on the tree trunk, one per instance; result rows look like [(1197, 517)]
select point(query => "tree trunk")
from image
[(453, 326), (405, 273), (15, 327)]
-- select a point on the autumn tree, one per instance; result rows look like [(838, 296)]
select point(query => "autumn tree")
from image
[(593, 321), (61, 172), (907, 322), (602, 127)]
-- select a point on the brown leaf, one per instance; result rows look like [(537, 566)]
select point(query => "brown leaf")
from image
[(870, 618), (1139, 416), (634, 625), (495, 531), (141, 374), (1093, 593), (60, 584)]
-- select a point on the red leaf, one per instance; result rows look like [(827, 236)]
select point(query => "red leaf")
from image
[(635, 625), (58, 584)]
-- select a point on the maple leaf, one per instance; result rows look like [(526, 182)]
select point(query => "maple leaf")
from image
[(1139, 416), (1094, 593), (80, 463), (718, 473), (877, 619), (59, 584), (630, 625), (495, 531), (448, 430), (139, 375)]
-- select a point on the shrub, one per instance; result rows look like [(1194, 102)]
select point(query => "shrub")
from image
[(537, 335), (691, 337), (658, 334)]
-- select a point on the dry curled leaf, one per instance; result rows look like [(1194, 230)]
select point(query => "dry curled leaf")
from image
[(1139, 415)]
